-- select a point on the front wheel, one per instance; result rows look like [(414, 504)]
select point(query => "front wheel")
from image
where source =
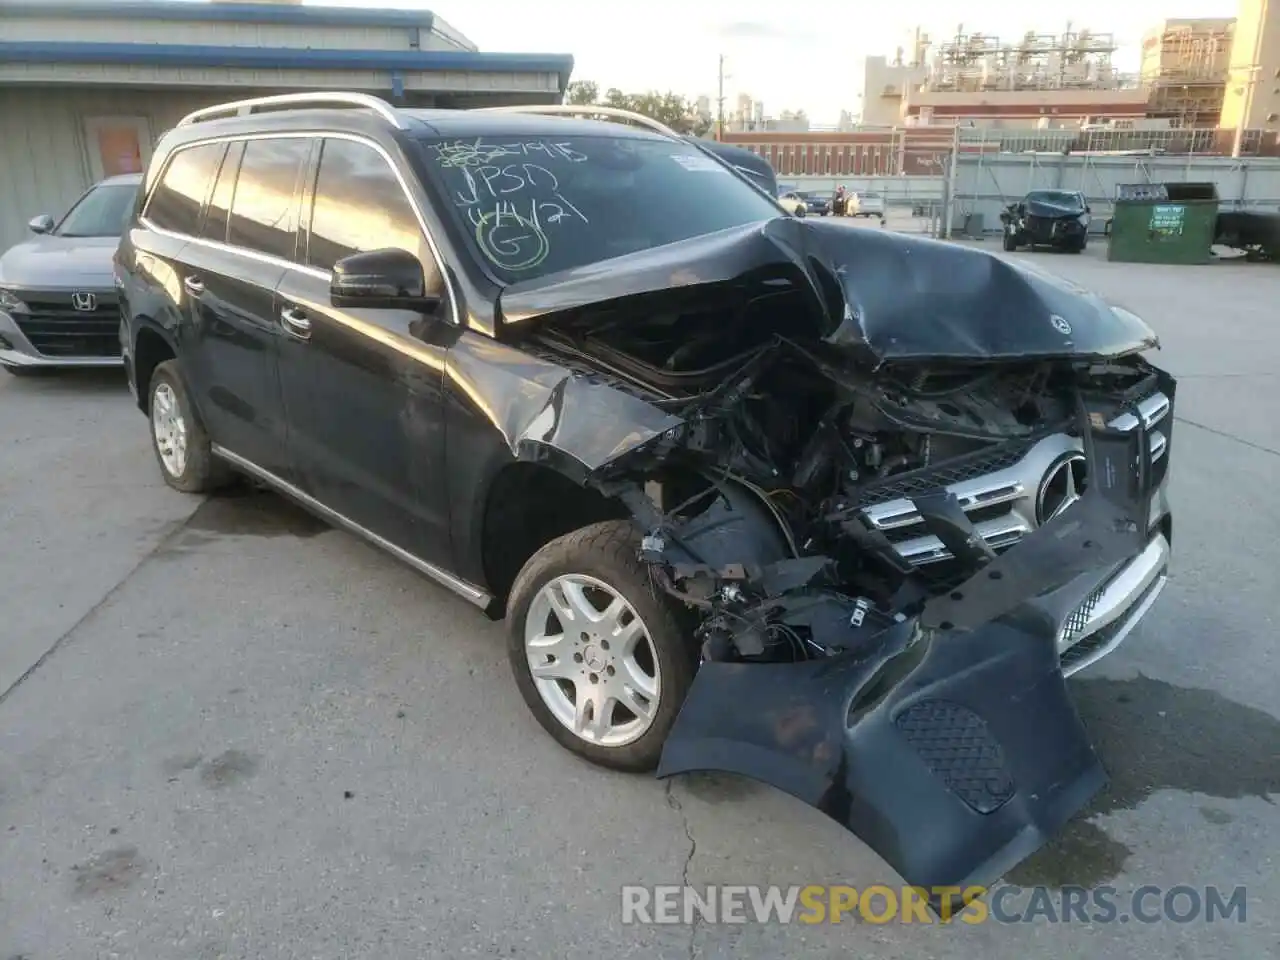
[(1010, 241), (598, 654)]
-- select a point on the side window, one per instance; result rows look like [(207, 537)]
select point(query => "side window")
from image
[(262, 210), (361, 206), (219, 210), (176, 201)]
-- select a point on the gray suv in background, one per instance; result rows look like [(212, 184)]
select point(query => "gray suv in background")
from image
[(58, 304)]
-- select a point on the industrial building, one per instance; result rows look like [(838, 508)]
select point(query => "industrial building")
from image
[(1184, 70), (1252, 100), (1041, 79), (1202, 73), (86, 88)]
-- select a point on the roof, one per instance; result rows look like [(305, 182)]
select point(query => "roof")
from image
[(233, 12), (462, 123), (298, 58)]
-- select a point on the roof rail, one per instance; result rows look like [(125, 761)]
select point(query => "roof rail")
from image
[(245, 107), (585, 110)]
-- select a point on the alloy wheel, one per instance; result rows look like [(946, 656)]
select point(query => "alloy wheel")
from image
[(592, 660), (170, 429)]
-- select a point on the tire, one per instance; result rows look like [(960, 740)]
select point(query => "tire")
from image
[(197, 470), (602, 554), (1010, 241)]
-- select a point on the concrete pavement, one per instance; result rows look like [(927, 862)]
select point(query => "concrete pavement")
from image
[(248, 735)]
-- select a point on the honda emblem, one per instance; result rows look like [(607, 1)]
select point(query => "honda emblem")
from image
[(84, 301)]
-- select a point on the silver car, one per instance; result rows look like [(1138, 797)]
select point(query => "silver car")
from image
[(58, 303)]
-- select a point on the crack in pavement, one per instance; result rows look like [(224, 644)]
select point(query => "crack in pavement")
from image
[(674, 803), (1229, 436), (175, 528)]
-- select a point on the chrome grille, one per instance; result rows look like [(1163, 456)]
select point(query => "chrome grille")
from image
[(998, 493), (920, 482), (56, 328), (1079, 618)]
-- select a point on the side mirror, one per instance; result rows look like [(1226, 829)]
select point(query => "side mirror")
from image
[(1088, 209), (41, 224), (388, 279)]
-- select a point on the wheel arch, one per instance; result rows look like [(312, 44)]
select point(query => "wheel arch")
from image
[(152, 346), (528, 503)]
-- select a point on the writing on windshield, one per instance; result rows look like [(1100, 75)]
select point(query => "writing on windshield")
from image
[(510, 195), (540, 205)]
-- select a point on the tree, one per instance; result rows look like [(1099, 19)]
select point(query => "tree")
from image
[(582, 91), (669, 108)]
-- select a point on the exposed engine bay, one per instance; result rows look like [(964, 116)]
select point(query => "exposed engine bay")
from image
[(753, 508), (904, 488)]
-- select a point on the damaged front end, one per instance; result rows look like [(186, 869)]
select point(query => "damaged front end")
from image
[(914, 688), (895, 558)]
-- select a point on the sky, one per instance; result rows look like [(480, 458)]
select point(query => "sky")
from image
[(790, 54)]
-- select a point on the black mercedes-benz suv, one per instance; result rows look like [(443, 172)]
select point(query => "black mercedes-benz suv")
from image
[(832, 508)]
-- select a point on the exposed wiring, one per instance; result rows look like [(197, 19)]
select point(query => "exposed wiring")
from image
[(777, 514)]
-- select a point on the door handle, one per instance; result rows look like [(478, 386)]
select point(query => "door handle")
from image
[(194, 285), (296, 322)]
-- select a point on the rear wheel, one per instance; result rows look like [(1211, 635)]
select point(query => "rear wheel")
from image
[(181, 445), (600, 657)]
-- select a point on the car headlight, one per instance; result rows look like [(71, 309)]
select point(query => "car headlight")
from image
[(8, 301)]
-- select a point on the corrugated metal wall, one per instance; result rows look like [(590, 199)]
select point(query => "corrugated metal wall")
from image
[(44, 164)]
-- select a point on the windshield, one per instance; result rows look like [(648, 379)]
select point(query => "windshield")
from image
[(546, 204), (1059, 198), (102, 212)]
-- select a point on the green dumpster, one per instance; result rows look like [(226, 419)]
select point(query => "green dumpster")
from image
[(1163, 223)]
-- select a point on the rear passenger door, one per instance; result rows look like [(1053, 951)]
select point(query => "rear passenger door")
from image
[(362, 387), (231, 273)]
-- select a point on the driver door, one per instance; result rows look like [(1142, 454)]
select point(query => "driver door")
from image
[(363, 387)]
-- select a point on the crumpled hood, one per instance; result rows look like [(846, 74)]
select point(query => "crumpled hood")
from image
[(53, 263), (1053, 211), (885, 295)]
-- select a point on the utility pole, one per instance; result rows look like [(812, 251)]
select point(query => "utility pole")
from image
[(720, 102)]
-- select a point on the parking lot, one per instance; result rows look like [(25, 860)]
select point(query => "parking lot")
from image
[(227, 730)]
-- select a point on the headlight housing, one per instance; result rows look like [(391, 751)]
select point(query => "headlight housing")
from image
[(9, 301)]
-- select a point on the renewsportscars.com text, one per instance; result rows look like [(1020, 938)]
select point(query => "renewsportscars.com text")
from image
[(816, 904)]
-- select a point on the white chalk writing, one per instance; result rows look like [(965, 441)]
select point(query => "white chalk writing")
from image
[(511, 196), (476, 153)]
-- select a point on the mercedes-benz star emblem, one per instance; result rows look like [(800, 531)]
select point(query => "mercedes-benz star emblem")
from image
[(84, 301), (1062, 486), (1060, 324)]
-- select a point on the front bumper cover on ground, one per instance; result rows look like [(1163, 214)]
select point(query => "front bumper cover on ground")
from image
[(949, 743)]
